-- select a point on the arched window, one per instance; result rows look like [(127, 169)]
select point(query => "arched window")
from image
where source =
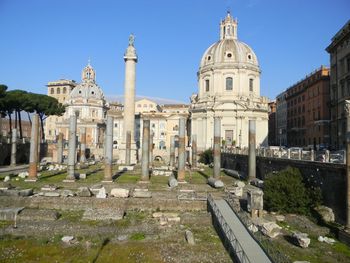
[(207, 85), (251, 85), (58, 91), (161, 145), (229, 84), (52, 91), (64, 90)]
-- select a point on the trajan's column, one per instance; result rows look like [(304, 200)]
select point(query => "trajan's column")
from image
[(130, 58)]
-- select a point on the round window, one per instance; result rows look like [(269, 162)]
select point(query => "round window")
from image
[(249, 57), (229, 55), (209, 58)]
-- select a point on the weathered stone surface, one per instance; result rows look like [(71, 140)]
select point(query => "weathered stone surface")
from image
[(120, 192), (253, 228), (67, 239), (326, 213), (7, 178), (25, 192), (8, 214), (142, 193), (83, 192), (38, 215), (157, 214), (82, 176), (327, 240), (270, 229), (255, 199), (163, 221), (102, 193), (216, 183), (23, 175), (280, 218), (176, 219), (239, 184), (301, 239), (51, 194), (48, 188), (189, 237), (103, 214), (232, 173), (257, 182), (67, 193), (235, 190), (172, 182), (122, 238)]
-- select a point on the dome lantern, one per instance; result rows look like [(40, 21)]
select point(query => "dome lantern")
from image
[(228, 27)]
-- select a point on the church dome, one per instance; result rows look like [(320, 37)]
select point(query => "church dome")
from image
[(229, 50)]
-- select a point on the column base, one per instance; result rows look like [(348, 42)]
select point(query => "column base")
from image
[(31, 180)]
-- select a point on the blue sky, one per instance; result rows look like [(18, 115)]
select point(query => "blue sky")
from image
[(45, 40)]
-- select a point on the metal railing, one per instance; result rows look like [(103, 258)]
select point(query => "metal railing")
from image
[(234, 243), (294, 153), (274, 254)]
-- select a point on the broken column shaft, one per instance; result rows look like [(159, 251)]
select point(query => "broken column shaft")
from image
[(145, 151), (151, 148), (252, 157), (13, 147), (82, 144), (33, 158), (172, 151), (194, 151), (128, 148), (60, 148), (182, 155), (72, 147), (109, 149), (217, 150)]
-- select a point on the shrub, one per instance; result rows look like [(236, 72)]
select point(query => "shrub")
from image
[(206, 157), (286, 192)]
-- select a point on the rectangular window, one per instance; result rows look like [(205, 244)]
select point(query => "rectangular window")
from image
[(229, 83), (207, 85), (251, 85)]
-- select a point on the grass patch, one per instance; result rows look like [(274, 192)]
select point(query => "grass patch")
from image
[(137, 236), (128, 178), (342, 248), (4, 223), (163, 180)]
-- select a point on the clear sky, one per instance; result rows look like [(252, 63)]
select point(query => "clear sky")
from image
[(46, 40)]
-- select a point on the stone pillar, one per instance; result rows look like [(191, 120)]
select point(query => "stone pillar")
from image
[(288, 153), (312, 155), (72, 148), (33, 157), (60, 148), (151, 148), (128, 148), (14, 147), (252, 157), (194, 151), (145, 151), (82, 144), (327, 156), (300, 153), (217, 150), (181, 161), (347, 110), (130, 58), (172, 151), (109, 149)]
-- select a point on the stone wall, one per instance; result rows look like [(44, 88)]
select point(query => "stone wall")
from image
[(330, 177)]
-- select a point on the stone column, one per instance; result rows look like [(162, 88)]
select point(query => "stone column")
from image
[(181, 161), (109, 149), (217, 150), (60, 148), (172, 151), (33, 158), (312, 155), (14, 147), (252, 157), (130, 58), (194, 151), (145, 151), (128, 148), (151, 148), (72, 148), (347, 110), (82, 144)]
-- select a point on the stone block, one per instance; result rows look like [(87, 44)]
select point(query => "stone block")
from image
[(23, 175), (8, 214), (84, 192), (103, 214), (102, 193), (237, 191), (216, 183), (7, 178), (49, 188), (301, 239), (255, 200), (142, 193), (82, 176), (239, 184), (326, 213), (67, 193), (38, 215), (120, 192), (270, 229), (189, 237), (51, 194), (126, 168)]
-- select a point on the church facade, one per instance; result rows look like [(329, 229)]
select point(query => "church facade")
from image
[(229, 88)]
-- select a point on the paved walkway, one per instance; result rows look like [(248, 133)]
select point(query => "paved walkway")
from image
[(16, 169), (249, 245)]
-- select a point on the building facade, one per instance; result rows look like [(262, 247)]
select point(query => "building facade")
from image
[(339, 51), (229, 88), (308, 114), (281, 119)]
